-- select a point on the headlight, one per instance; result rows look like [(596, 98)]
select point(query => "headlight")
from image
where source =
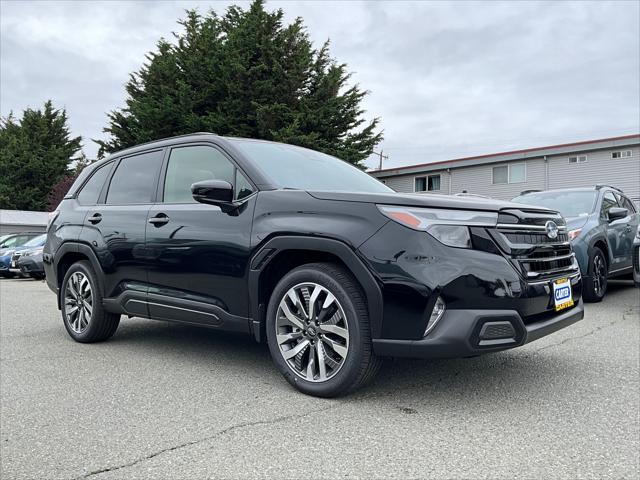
[(449, 227), (574, 233)]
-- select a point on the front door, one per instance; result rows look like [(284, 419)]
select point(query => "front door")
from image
[(198, 255)]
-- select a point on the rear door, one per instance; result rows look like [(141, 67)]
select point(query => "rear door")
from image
[(199, 254), (631, 227), (115, 226)]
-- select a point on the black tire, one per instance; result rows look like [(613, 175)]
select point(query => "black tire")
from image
[(360, 364), (101, 324), (595, 284), (7, 275)]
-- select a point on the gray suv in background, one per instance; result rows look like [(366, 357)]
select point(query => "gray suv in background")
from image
[(601, 225)]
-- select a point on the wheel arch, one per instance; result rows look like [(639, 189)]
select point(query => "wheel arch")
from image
[(70, 253), (603, 245), (281, 254)]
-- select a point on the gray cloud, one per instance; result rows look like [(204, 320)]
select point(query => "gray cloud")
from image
[(447, 79)]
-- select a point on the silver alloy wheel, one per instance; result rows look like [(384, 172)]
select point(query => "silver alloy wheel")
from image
[(312, 332), (78, 302)]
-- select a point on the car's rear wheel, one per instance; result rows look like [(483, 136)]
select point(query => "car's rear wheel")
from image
[(318, 331), (596, 282), (84, 317)]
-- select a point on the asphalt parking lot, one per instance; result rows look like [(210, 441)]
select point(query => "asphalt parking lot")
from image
[(169, 401)]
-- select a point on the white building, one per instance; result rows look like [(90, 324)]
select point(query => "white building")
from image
[(613, 161), (18, 221)]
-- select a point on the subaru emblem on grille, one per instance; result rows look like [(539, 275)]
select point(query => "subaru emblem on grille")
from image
[(552, 229)]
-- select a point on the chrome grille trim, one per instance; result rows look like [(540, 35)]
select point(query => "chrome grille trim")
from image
[(536, 228)]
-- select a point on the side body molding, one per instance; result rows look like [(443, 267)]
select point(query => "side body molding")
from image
[(265, 255)]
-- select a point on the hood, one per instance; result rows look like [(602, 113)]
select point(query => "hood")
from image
[(428, 200), (576, 222)]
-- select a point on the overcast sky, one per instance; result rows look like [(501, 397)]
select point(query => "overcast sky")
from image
[(446, 79)]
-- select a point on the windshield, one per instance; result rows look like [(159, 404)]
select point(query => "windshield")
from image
[(36, 241), (569, 203), (303, 169)]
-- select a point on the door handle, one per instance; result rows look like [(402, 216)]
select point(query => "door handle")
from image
[(95, 218), (159, 220)]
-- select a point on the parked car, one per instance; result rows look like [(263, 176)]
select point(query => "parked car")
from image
[(602, 222), (636, 258), (8, 244), (306, 252), (34, 245), (29, 262)]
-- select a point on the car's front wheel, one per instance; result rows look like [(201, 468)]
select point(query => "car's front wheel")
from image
[(318, 331), (84, 317), (595, 285)]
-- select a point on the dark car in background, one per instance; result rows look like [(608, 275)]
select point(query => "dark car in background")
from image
[(32, 249), (28, 261), (601, 225), (8, 245), (306, 252)]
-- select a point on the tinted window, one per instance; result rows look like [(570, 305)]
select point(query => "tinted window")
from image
[(243, 187), (188, 165), (569, 203), (608, 201), (91, 190), (134, 179), (300, 168)]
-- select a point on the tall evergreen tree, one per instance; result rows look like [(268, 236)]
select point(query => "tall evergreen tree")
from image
[(245, 74), (35, 152)]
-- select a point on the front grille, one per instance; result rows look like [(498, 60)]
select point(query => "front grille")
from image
[(636, 258), (531, 250), (534, 238)]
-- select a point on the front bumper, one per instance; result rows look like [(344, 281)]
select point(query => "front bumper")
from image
[(30, 265), (463, 333)]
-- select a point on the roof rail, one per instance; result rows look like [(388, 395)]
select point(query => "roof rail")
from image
[(158, 140), (533, 190), (602, 185)]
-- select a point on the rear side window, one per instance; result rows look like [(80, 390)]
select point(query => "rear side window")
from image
[(134, 181), (91, 190), (188, 165)]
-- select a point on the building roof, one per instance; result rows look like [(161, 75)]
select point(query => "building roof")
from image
[(23, 217), (586, 145)]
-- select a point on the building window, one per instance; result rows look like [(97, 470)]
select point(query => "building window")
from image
[(578, 159), (622, 154), (511, 173), (430, 183), (433, 183)]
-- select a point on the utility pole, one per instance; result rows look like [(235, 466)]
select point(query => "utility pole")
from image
[(385, 157)]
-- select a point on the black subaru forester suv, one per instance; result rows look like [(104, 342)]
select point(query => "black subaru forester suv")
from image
[(306, 252)]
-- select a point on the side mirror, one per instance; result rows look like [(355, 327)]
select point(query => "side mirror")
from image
[(616, 213), (213, 192)]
